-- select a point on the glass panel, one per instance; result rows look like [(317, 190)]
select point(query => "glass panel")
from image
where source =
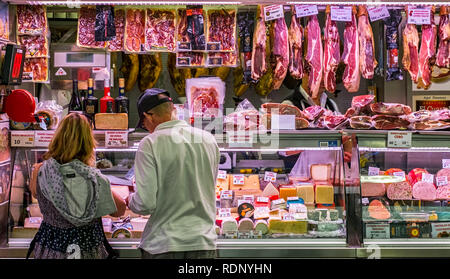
[(405, 194)]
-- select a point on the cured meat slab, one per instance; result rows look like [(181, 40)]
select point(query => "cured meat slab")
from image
[(361, 122), (424, 191), (295, 48), (411, 50), (86, 28), (38, 67), (350, 56), (390, 109), (431, 125), (160, 30), (314, 56), (259, 66), (134, 30), (367, 61), (36, 46), (399, 191), (282, 109), (443, 52), (389, 122), (281, 52), (117, 44), (427, 52), (222, 28), (332, 54), (32, 19)]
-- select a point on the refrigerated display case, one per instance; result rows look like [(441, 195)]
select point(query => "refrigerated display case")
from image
[(404, 205), (297, 226)]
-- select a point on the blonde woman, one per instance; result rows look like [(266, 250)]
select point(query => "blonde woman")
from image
[(72, 196)]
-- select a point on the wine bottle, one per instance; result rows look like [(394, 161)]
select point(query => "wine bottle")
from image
[(106, 97), (75, 102), (122, 102), (91, 102), (83, 98)]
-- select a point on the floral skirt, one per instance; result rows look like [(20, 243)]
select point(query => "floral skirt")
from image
[(85, 242)]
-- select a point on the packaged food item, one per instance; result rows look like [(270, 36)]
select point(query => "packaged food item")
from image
[(222, 185), (222, 59), (190, 59), (35, 45), (105, 29), (32, 20), (205, 96), (246, 210), (160, 30), (221, 30), (135, 30), (35, 69), (261, 212), (51, 111), (245, 118), (117, 43), (196, 27), (86, 28), (378, 209)]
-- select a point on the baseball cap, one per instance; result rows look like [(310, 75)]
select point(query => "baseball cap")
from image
[(20, 106), (149, 99)]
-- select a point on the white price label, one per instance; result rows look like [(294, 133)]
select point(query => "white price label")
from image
[(365, 201), (238, 179), (272, 12), (262, 199), (22, 138), (400, 174), (226, 195), (428, 177), (341, 13), (270, 176), (399, 139), (418, 15), (441, 181), (43, 138), (374, 171), (305, 10), (288, 217), (222, 174), (377, 12), (446, 163), (224, 212), (116, 139), (282, 122)]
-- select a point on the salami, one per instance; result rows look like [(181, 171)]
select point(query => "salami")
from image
[(116, 44), (222, 29), (160, 30), (32, 20), (424, 191), (86, 29)]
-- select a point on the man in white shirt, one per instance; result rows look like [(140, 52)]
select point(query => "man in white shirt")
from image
[(176, 168)]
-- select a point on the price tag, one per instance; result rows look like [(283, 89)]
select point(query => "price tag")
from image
[(222, 174), (288, 217), (374, 171), (446, 163), (400, 174), (399, 139), (272, 12), (43, 138), (441, 181), (224, 212), (428, 177), (305, 10), (262, 199), (22, 138), (249, 198), (418, 15), (226, 195), (377, 12), (116, 139), (282, 122), (365, 201), (378, 231), (270, 176), (341, 13), (35, 220), (238, 179)]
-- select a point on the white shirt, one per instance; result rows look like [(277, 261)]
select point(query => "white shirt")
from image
[(176, 169)]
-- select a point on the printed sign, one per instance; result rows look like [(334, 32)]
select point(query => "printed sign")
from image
[(377, 12), (400, 174), (428, 177), (441, 181), (226, 195), (439, 230), (341, 13), (60, 72), (378, 231), (240, 139), (22, 138), (305, 10), (374, 171), (272, 12), (419, 15), (116, 139), (270, 176), (399, 139), (446, 163), (238, 179), (222, 174), (43, 138)]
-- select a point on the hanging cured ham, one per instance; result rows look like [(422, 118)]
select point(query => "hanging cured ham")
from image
[(411, 50), (367, 61), (427, 52), (314, 55), (332, 55), (351, 77), (295, 48), (443, 53), (281, 52), (259, 66)]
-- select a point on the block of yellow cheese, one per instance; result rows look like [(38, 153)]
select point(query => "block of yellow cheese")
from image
[(287, 191), (324, 194), (306, 192), (111, 121), (250, 182), (320, 172), (288, 227)]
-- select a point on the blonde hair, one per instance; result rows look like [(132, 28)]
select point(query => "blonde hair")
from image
[(73, 139)]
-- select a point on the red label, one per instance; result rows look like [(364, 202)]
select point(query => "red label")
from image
[(16, 65)]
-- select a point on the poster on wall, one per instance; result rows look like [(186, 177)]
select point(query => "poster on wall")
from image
[(5, 151), (4, 180), (430, 102), (440, 80)]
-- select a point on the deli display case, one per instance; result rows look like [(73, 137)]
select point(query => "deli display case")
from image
[(278, 195)]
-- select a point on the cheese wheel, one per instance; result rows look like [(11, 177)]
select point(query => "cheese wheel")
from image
[(245, 225), (229, 225), (262, 226)]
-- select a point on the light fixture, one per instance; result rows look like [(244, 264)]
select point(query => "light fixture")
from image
[(129, 3), (369, 3)]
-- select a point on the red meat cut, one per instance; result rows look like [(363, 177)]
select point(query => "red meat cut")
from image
[(427, 52), (367, 61), (389, 122), (443, 53), (314, 56), (281, 52), (350, 56), (259, 66), (411, 50), (332, 55), (393, 109), (295, 48), (361, 122)]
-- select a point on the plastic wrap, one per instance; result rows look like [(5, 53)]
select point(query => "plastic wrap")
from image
[(392, 23), (134, 30), (117, 43), (246, 22), (221, 59), (36, 46), (35, 69), (246, 117), (50, 110), (205, 96), (196, 28), (160, 30), (105, 29), (31, 20), (86, 28), (221, 30), (190, 59)]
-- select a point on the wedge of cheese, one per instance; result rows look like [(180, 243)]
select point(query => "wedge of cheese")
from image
[(306, 192), (270, 190), (320, 172), (324, 194), (287, 191)]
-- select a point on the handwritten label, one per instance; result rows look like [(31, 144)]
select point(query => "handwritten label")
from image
[(238, 179), (428, 177), (418, 15), (374, 171), (116, 139), (377, 12), (400, 174), (341, 13), (288, 217), (262, 199), (43, 138), (224, 212), (399, 139), (282, 122), (22, 138), (441, 181), (222, 174), (226, 195), (270, 176), (272, 12), (446, 163), (305, 10)]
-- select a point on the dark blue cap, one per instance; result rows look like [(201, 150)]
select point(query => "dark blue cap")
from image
[(149, 99)]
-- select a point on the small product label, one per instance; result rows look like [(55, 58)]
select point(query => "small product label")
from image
[(184, 46), (288, 217), (270, 176), (428, 177), (305, 10), (400, 174), (262, 199), (378, 231), (222, 174), (341, 13), (238, 179), (272, 12), (419, 15), (240, 139), (183, 61), (374, 171), (213, 46), (365, 201), (446, 163), (224, 212), (399, 139), (226, 195), (441, 181), (43, 138), (116, 139), (215, 61), (377, 12), (22, 138)]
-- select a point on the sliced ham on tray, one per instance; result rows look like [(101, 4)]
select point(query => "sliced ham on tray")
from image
[(350, 56), (367, 61), (332, 55)]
